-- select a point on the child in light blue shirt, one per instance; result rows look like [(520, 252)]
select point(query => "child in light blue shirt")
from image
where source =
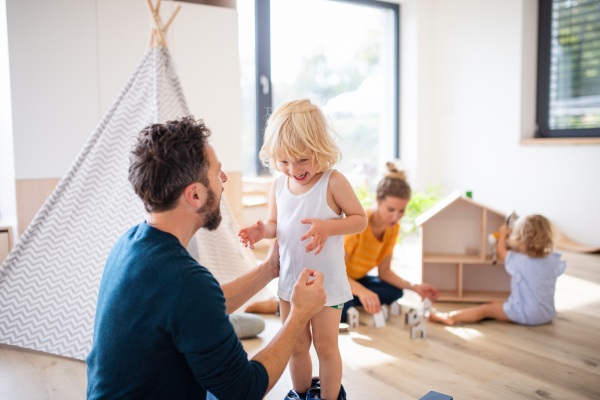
[(533, 268)]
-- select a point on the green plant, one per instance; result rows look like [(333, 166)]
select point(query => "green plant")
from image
[(365, 196), (418, 204)]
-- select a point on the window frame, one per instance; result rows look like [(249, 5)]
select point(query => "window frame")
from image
[(264, 101), (543, 81)]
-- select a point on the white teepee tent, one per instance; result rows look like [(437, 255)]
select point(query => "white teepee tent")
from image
[(49, 282)]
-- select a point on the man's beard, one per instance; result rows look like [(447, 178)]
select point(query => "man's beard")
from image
[(211, 211)]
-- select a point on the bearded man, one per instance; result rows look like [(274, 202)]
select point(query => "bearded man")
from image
[(162, 328)]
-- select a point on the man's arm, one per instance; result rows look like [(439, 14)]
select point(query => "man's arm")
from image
[(308, 298), (240, 290)]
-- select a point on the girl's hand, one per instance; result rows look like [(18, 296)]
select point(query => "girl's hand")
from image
[(319, 233), (504, 231), (252, 234), (370, 301)]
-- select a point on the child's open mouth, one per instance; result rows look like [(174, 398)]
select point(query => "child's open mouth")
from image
[(300, 177)]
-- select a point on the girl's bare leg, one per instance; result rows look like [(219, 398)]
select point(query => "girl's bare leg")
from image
[(325, 329), (472, 314), (264, 307), (300, 362)]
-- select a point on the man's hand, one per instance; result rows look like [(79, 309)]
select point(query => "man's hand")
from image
[(271, 263), (427, 291), (308, 296), (318, 231), (252, 234), (370, 301)]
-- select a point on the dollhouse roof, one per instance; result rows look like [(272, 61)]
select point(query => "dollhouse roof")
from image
[(452, 198)]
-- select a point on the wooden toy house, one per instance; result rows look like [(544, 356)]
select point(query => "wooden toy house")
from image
[(457, 257)]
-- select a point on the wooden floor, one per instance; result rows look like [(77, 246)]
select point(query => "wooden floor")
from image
[(487, 360)]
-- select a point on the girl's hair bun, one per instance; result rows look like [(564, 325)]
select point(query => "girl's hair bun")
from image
[(393, 184), (393, 171)]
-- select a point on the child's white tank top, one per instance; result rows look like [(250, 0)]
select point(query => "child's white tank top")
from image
[(291, 209)]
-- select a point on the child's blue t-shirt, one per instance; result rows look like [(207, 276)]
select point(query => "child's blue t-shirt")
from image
[(533, 282)]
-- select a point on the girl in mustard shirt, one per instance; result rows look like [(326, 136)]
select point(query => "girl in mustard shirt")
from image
[(374, 247)]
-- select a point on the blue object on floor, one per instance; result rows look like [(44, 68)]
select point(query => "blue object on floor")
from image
[(436, 396)]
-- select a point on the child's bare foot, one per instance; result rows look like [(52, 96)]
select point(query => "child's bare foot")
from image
[(443, 318), (270, 306)]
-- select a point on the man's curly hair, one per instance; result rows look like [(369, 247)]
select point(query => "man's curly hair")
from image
[(166, 159)]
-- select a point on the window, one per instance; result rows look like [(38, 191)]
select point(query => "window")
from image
[(343, 55), (569, 68)]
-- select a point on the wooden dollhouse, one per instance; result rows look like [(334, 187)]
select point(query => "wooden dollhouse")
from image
[(457, 257)]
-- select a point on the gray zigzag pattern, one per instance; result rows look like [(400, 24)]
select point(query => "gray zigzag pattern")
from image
[(49, 282)]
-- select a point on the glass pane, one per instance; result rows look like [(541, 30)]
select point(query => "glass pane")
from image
[(575, 65), (341, 56), (248, 83)]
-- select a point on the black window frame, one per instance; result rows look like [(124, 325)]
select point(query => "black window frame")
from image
[(264, 101), (543, 81)]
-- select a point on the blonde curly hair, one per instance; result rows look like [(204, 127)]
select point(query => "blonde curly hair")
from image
[(532, 235), (298, 129)]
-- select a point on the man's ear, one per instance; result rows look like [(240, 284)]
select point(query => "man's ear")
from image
[(195, 195)]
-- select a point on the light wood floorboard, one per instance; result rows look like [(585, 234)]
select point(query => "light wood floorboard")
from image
[(486, 360)]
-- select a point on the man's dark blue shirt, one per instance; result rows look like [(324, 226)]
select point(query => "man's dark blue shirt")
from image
[(161, 330)]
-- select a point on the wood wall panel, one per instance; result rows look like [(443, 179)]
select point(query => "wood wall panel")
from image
[(31, 195), (233, 191)]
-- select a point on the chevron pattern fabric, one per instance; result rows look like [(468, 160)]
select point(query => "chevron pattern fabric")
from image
[(49, 282)]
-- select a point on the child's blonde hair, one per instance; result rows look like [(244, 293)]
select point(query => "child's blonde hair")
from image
[(298, 129), (532, 235)]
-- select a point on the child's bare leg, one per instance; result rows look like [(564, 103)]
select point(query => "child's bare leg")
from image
[(264, 307), (300, 362), (472, 314), (325, 327)]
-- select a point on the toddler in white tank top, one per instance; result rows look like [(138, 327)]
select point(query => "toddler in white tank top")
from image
[(312, 201)]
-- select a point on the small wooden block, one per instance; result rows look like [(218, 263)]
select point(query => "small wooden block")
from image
[(352, 317), (379, 320), (395, 309), (427, 307), (414, 330), (413, 316), (344, 328), (385, 309)]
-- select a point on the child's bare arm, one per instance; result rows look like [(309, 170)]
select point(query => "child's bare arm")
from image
[(345, 198), (501, 249), (260, 230)]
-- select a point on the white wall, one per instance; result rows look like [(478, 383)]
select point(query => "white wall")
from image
[(70, 58), (8, 206), (475, 96)]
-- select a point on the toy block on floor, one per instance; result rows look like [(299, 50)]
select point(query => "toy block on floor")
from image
[(352, 317), (427, 308), (377, 320), (412, 317), (436, 396), (385, 309), (418, 328), (395, 309)]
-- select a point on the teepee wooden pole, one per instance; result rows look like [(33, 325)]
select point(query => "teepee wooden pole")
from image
[(172, 18), (151, 41), (157, 9), (151, 7)]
